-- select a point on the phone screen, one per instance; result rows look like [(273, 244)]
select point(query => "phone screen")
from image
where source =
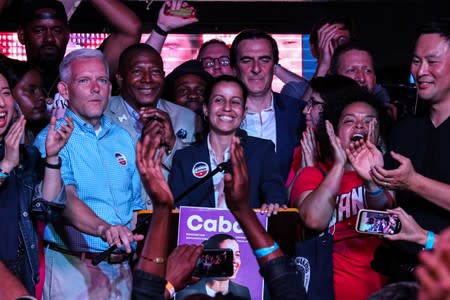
[(184, 12), (377, 222), (214, 263)]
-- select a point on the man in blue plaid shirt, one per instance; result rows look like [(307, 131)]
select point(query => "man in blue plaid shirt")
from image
[(103, 190)]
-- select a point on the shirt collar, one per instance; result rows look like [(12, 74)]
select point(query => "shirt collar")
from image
[(105, 123), (134, 114), (266, 109), (226, 154)]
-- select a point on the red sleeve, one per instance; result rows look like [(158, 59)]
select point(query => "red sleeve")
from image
[(308, 179), (296, 161)]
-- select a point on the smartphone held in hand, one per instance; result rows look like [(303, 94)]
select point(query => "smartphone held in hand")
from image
[(377, 222), (184, 12), (214, 263)]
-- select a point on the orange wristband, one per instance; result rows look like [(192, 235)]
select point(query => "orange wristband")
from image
[(170, 288)]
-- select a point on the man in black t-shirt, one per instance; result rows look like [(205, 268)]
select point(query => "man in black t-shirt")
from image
[(421, 150)]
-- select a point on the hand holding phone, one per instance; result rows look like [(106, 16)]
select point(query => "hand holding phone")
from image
[(377, 222), (183, 12), (214, 263)]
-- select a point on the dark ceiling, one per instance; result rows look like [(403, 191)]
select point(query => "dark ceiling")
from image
[(387, 27)]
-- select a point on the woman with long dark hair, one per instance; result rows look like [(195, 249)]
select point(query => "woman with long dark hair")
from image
[(22, 197)]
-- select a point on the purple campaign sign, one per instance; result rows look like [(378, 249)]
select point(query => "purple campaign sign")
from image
[(198, 224)]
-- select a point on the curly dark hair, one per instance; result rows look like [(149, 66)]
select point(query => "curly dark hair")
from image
[(331, 86), (332, 111)]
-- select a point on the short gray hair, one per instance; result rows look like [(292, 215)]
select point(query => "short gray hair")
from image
[(65, 66)]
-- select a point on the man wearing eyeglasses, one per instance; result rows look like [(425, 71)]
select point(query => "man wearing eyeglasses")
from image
[(140, 110), (215, 58)]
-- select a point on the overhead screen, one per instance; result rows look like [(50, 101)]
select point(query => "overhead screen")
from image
[(293, 48)]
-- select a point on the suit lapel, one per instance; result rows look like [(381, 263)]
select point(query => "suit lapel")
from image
[(121, 115), (281, 116), (202, 155)]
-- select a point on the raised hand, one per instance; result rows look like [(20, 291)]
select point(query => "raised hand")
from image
[(168, 21), (12, 143), (148, 160), (433, 272), (363, 155), (410, 230), (309, 148), (57, 138), (400, 178), (181, 264), (325, 37), (372, 135), (236, 186), (339, 153)]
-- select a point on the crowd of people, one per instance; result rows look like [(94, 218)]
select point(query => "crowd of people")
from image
[(78, 161)]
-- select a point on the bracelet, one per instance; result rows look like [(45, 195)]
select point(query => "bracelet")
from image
[(168, 150), (170, 288), (156, 260), (3, 174), (430, 240), (160, 31), (54, 166), (377, 192), (261, 252)]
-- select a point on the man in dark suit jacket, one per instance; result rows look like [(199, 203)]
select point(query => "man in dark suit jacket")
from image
[(269, 115), (191, 164)]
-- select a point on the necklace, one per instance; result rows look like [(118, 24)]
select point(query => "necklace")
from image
[(50, 100)]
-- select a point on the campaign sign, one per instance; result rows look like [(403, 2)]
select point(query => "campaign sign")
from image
[(214, 226)]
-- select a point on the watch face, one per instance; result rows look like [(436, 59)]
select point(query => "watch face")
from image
[(159, 260)]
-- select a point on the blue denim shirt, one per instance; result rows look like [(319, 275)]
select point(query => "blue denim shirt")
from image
[(32, 205)]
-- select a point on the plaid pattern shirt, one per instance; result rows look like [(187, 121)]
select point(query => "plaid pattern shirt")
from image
[(102, 168)]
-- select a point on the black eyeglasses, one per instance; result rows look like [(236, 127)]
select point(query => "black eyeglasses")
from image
[(209, 62), (313, 102)]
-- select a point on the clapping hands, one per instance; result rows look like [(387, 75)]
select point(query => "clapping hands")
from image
[(148, 160)]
